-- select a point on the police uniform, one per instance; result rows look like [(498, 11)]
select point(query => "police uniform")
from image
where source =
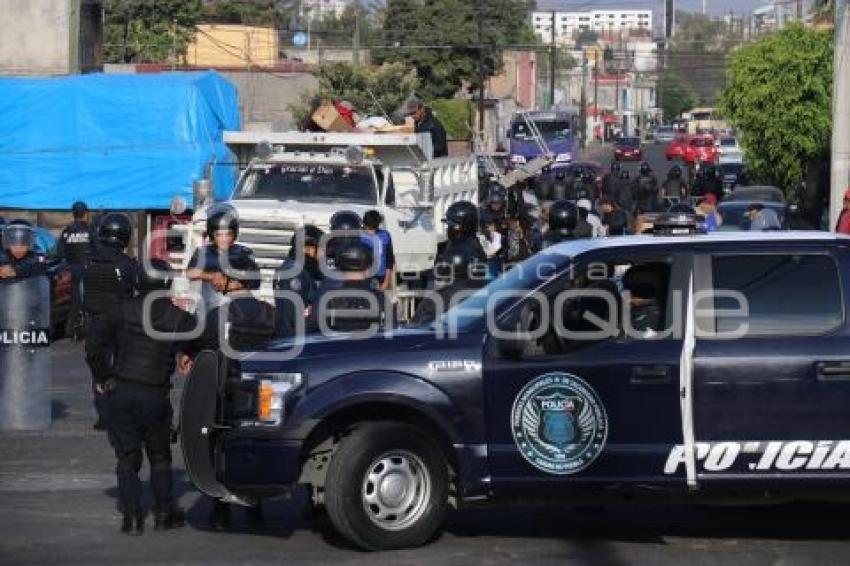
[(646, 190), (359, 309), (75, 246), (108, 280), (304, 282), (31, 265), (210, 259), (456, 276), (135, 372)]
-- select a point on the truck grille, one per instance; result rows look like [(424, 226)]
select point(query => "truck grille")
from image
[(269, 240)]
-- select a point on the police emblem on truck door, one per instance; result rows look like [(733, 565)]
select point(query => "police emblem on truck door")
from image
[(559, 423)]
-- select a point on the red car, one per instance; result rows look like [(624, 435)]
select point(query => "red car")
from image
[(628, 149), (676, 148), (701, 148)]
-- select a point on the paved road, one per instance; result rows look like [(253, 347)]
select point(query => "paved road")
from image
[(58, 506)]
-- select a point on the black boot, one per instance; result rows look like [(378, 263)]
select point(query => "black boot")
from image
[(170, 519), (133, 524), (220, 516)]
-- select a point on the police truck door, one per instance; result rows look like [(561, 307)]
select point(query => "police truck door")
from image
[(579, 408)]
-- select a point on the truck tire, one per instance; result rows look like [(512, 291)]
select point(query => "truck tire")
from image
[(387, 486)]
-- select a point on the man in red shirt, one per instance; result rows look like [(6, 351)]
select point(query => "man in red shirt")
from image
[(843, 225)]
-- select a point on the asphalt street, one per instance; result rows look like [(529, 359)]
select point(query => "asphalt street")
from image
[(58, 506)]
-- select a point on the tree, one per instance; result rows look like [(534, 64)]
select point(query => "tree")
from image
[(263, 13), (148, 30), (440, 39), (779, 95), (676, 96), (586, 37), (375, 91)]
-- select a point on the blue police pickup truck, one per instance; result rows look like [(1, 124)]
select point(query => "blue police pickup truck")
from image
[(695, 368)]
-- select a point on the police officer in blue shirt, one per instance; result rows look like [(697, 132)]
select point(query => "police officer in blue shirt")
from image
[(18, 260), (300, 274), (381, 244), (209, 263)]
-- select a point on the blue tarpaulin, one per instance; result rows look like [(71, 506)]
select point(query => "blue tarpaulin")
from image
[(118, 142)]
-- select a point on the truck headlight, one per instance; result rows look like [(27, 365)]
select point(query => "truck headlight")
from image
[(564, 157), (272, 392), (517, 159)]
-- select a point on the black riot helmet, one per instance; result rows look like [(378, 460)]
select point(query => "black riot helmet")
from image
[(115, 230), (156, 276), (615, 166), (352, 255), (496, 194), (462, 220), (18, 235), (222, 217), (624, 174), (645, 169), (346, 220), (675, 172), (563, 217)]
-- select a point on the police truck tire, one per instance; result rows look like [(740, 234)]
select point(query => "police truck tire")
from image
[(387, 486)]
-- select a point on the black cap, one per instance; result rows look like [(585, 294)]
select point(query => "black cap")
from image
[(79, 208)]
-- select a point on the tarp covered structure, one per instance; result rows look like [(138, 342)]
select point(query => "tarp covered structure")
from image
[(116, 142)]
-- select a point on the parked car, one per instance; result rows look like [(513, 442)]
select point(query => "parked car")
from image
[(702, 148), (757, 193), (628, 149), (676, 148), (665, 134), (733, 214)]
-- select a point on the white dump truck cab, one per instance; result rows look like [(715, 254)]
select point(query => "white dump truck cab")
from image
[(292, 179)]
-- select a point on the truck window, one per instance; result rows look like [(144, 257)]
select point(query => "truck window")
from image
[(310, 182), (785, 294), (627, 298)]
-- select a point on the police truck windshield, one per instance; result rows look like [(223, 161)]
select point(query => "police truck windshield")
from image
[(310, 182)]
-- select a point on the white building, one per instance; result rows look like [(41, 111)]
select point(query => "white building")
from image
[(319, 9), (569, 24)]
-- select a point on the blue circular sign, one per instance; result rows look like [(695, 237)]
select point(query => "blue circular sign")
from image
[(559, 423), (300, 39)]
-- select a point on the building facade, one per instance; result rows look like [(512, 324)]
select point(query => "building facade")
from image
[(569, 24)]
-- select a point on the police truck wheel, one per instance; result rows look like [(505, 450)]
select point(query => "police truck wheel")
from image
[(387, 486)]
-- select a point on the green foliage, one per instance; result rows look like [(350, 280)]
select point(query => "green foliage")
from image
[(148, 30), (456, 116), (372, 90), (676, 96), (779, 95), (262, 13), (439, 38), (339, 31)]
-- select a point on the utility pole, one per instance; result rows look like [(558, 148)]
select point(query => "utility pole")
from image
[(479, 16), (840, 170), (355, 47), (596, 85), (553, 62), (583, 109)]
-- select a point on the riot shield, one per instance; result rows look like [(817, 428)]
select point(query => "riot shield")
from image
[(25, 354)]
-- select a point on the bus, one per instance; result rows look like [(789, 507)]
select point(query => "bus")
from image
[(559, 128)]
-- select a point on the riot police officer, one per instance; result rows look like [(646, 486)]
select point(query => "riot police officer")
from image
[(354, 302), (456, 276), (75, 246), (675, 187), (109, 280), (610, 182), (462, 226), (17, 259), (563, 219), (646, 189), (347, 225), (624, 194), (299, 273), (209, 263), (135, 378)]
